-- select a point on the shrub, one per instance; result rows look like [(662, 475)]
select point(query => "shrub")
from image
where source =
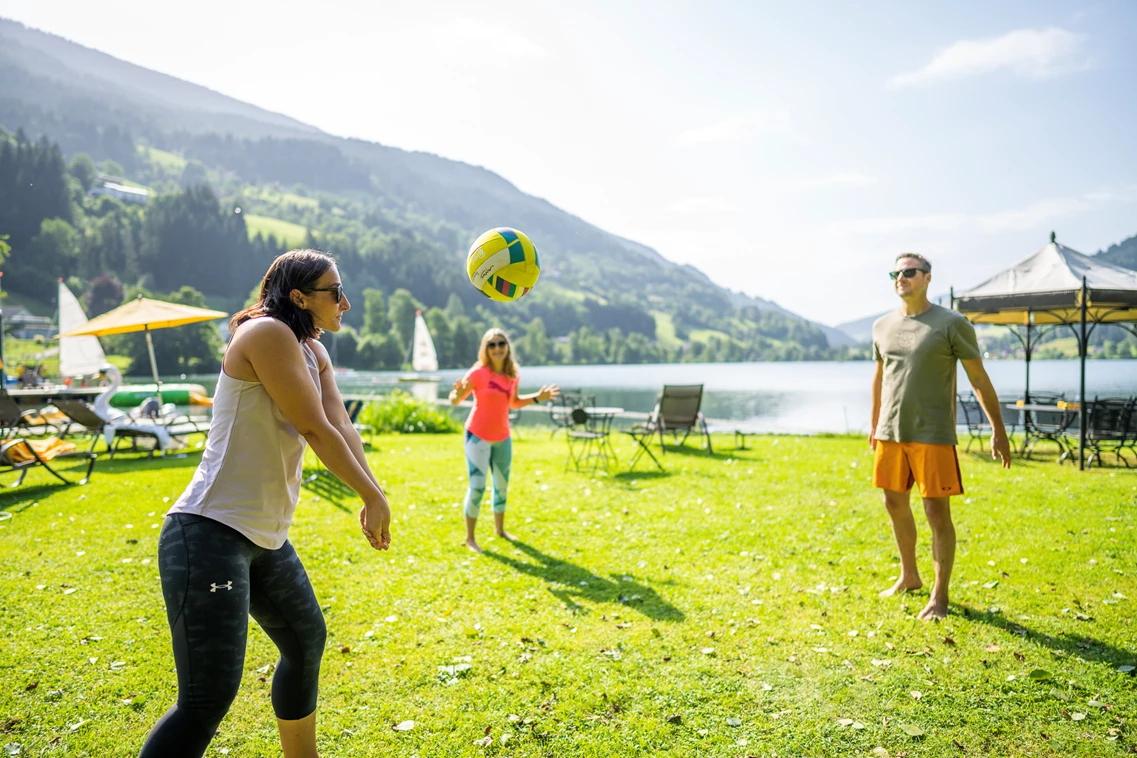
[(401, 412)]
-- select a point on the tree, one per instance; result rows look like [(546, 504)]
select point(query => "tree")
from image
[(83, 169), (455, 307), (533, 347), (104, 294), (55, 251), (113, 169), (401, 312), (464, 342), (193, 174), (374, 313), (442, 334)]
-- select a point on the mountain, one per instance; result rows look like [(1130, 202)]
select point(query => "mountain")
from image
[(860, 330), (1124, 253), (90, 102)]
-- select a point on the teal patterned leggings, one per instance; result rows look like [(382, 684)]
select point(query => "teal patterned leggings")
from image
[(482, 459)]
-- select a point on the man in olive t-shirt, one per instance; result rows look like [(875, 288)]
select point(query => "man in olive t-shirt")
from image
[(913, 421)]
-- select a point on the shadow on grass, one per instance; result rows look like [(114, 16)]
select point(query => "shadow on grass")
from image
[(570, 583), (327, 486), (44, 485), (652, 473), (1082, 646)]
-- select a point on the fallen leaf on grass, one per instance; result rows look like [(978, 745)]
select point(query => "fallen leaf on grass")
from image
[(403, 726), (1039, 675), (675, 718), (1077, 716), (916, 695), (912, 730), (732, 721), (993, 648), (484, 741)]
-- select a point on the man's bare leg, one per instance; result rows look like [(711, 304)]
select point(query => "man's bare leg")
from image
[(904, 529), (938, 511), (298, 738)]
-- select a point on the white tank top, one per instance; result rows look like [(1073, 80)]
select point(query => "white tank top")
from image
[(249, 475)]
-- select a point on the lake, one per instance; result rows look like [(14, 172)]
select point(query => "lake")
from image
[(793, 397)]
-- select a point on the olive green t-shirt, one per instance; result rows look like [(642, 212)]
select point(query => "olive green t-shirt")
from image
[(917, 402)]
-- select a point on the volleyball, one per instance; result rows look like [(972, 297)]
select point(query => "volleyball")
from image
[(503, 264)]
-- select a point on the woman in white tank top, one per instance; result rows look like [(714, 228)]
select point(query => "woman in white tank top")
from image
[(224, 552)]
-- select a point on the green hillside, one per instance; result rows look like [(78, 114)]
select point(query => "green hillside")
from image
[(395, 219)]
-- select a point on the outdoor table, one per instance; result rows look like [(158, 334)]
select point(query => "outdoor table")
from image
[(598, 430)]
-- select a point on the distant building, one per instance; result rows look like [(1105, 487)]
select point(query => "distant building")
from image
[(126, 194), (22, 324)]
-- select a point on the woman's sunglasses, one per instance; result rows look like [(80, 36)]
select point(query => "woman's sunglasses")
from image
[(499, 343), (337, 291), (907, 272)]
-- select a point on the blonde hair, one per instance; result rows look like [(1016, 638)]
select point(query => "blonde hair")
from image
[(509, 366), (927, 264)]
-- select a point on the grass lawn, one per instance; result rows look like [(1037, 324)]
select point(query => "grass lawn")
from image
[(726, 608), (287, 232)]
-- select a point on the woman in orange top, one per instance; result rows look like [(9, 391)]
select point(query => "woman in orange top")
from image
[(489, 449)]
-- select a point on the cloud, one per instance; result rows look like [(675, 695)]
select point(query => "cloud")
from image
[(459, 35), (1044, 212), (1038, 215), (701, 205), (843, 179), (735, 129), (1033, 53), (932, 222)]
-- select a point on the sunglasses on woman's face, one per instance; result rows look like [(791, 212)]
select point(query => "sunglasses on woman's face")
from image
[(908, 273), (499, 343), (337, 291)]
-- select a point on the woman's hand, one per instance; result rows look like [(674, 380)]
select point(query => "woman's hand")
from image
[(548, 392), (375, 519)]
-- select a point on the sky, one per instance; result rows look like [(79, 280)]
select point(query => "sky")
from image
[(788, 150)]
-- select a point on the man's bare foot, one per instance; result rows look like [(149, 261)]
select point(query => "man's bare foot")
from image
[(934, 610), (506, 536), (902, 585), (473, 545)]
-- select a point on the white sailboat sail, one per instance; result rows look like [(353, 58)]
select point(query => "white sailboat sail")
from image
[(423, 356), (78, 356)]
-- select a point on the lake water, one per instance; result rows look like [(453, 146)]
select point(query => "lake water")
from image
[(805, 397)]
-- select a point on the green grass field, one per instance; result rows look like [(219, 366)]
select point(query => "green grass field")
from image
[(726, 608), (291, 234)]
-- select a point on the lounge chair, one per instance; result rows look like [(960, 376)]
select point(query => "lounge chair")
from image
[(22, 455), (16, 421), (84, 420)]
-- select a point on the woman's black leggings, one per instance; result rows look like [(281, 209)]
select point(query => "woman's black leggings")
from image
[(213, 579)]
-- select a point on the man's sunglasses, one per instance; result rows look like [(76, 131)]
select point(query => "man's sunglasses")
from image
[(337, 291), (500, 343), (907, 272)]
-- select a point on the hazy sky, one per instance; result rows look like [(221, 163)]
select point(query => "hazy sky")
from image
[(788, 150)]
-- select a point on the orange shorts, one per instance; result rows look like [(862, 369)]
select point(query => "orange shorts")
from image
[(935, 468)]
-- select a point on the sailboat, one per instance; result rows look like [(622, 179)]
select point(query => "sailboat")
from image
[(424, 360), (79, 357)]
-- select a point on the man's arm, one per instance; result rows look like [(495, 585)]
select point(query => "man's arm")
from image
[(877, 383), (981, 383)]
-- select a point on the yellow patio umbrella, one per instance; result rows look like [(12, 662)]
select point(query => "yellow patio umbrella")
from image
[(144, 315)]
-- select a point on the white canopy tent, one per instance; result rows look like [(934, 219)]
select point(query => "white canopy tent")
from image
[(1052, 288)]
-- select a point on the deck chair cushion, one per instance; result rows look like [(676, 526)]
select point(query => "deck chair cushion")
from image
[(47, 449)]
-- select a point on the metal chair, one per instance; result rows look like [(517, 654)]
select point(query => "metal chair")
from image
[(561, 408), (1110, 428)]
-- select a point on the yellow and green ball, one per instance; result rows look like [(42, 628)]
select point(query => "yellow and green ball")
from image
[(503, 264)]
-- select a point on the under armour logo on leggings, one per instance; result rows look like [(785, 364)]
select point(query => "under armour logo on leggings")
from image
[(227, 586)]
